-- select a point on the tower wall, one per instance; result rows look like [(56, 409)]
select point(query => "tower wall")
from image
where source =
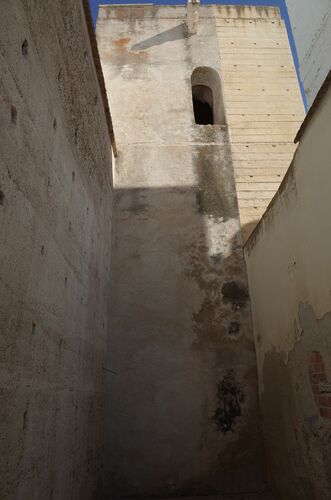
[(182, 412), (263, 102)]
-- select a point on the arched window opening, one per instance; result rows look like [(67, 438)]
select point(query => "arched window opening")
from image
[(203, 105), (207, 97)]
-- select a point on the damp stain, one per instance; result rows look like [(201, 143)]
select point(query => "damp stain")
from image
[(235, 294), (214, 196), (230, 397)]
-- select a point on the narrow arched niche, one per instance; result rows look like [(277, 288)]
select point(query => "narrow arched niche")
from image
[(207, 98)]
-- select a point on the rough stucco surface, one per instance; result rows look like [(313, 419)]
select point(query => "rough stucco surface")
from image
[(288, 259), (182, 411), (55, 210), (311, 26)]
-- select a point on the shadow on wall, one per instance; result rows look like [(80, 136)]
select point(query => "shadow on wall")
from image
[(177, 33), (181, 343)]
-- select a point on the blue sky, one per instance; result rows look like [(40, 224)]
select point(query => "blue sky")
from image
[(279, 3)]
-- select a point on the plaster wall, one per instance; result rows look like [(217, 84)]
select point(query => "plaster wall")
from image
[(263, 102), (311, 26), (55, 220), (182, 414), (289, 269)]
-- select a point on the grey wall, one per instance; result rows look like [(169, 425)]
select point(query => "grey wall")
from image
[(181, 352), (289, 269), (55, 219), (311, 26)]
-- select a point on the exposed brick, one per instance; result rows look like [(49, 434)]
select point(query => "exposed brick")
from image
[(323, 400), (315, 357), (316, 388), (324, 412), (317, 376)]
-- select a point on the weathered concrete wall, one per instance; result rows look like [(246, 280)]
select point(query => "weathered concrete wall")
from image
[(182, 408), (289, 271), (263, 102), (311, 26), (55, 217)]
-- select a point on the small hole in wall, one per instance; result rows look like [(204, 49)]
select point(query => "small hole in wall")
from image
[(33, 329), (13, 114), (65, 281), (42, 250), (54, 124), (25, 48), (2, 197), (73, 176)]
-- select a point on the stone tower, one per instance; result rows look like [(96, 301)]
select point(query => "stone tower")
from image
[(204, 124)]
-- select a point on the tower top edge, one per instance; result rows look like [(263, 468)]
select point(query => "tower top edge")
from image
[(221, 11)]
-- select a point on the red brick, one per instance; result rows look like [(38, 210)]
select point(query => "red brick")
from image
[(320, 367), (315, 388), (315, 357), (324, 412), (323, 400), (320, 377)]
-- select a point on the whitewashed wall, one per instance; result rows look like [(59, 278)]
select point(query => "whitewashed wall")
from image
[(311, 25)]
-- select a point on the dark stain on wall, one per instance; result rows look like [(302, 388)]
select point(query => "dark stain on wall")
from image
[(234, 328), (213, 196), (235, 294), (230, 397)]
